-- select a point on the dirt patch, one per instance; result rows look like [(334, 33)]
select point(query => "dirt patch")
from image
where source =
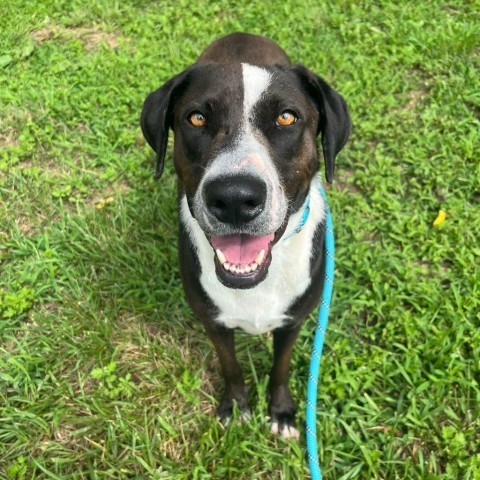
[(343, 181), (26, 225), (8, 138), (414, 98), (43, 34), (90, 36), (93, 38)]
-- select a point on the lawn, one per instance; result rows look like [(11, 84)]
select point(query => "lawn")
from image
[(104, 371)]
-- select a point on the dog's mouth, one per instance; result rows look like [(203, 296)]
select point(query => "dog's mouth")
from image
[(242, 260)]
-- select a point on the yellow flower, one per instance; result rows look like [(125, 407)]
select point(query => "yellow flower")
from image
[(440, 218), (104, 202)]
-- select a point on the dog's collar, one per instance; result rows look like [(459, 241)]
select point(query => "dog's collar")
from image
[(303, 218)]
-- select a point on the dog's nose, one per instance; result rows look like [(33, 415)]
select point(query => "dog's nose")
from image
[(236, 200)]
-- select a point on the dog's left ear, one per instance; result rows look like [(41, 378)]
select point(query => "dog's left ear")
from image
[(156, 118), (333, 117)]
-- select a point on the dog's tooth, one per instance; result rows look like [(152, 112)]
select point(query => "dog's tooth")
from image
[(226, 266), (253, 266), (241, 270), (260, 257), (221, 256), (248, 269)]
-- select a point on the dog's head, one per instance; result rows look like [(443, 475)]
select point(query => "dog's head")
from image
[(245, 153)]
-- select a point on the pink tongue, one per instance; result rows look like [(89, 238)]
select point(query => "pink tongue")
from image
[(241, 249)]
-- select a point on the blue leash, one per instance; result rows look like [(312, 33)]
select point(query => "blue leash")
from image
[(311, 412), (321, 329)]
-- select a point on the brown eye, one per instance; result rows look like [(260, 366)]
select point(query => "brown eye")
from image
[(286, 118), (197, 119)]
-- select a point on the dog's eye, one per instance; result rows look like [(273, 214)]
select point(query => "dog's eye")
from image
[(286, 118), (197, 119)]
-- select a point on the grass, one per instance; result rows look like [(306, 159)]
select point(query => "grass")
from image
[(104, 372)]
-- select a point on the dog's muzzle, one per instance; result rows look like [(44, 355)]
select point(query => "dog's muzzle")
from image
[(240, 230)]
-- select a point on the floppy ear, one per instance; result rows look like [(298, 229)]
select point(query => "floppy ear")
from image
[(333, 117), (156, 118)]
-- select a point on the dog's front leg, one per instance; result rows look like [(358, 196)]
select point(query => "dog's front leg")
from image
[(223, 340), (282, 408)]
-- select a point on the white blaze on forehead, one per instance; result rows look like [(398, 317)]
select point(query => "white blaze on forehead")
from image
[(255, 81)]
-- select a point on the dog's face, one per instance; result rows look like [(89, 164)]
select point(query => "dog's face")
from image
[(245, 153)]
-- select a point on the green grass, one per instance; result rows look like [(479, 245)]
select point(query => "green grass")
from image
[(104, 372)]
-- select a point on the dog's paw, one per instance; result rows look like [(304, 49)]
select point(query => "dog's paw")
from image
[(225, 412), (282, 413), (285, 427), (226, 407)]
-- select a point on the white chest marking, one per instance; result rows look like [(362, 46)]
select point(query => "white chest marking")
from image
[(262, 308)]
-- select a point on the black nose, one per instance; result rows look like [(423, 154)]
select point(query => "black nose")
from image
[(237, 199)]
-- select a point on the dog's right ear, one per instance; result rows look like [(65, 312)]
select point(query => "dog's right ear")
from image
[(157, 118)]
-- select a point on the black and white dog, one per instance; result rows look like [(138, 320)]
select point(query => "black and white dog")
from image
[(245, 123)]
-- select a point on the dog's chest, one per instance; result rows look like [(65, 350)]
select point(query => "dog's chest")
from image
[(262, 308)]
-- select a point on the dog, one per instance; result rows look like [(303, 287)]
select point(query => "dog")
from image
[(245, 123)]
